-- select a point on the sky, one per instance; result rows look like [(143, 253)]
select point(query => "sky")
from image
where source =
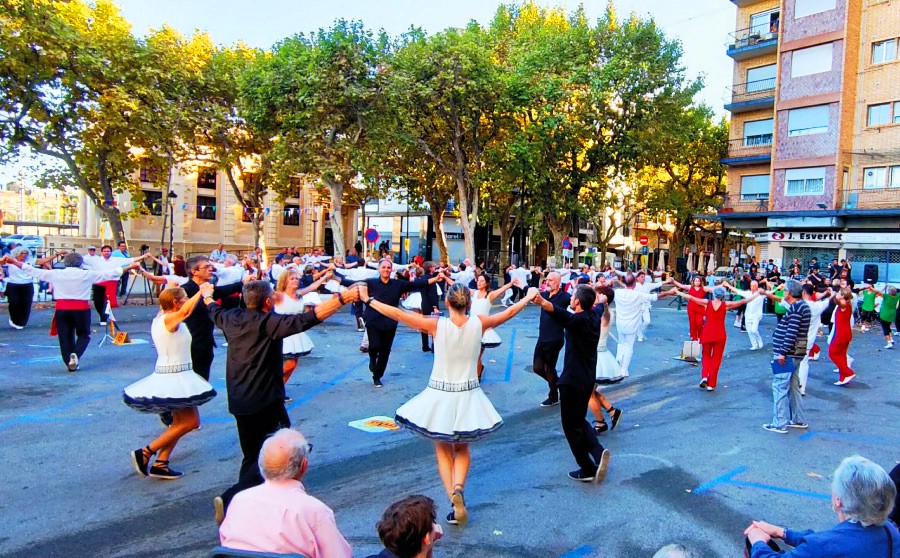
[(701, 25)]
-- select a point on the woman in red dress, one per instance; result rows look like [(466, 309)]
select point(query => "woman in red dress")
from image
[(695, 311), (713, 336), (843, 334)]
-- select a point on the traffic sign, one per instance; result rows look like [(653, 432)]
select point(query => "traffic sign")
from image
[(645, 250), (372, 236), (567, 243), (644, 240)]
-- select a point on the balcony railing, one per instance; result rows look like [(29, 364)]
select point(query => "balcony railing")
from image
[(736, 203), (753, 90), (750, 146), (752, 35), (870, 198)]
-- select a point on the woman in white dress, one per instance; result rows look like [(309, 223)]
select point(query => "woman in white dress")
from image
[(173, 386), (291, 299), (482, 300), (453, 410), (608, 369)]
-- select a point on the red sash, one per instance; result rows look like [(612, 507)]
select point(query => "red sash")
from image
[(67, 304), (111, 288)]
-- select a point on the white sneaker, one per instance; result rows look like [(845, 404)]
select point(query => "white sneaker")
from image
[(14, 326), (889, 345), (845, 381), (72, 365), (816, 356), (640, 339)]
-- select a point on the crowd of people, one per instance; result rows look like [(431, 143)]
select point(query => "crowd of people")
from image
[(264, 306)]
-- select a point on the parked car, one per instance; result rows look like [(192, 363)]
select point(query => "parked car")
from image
[(723, 273)]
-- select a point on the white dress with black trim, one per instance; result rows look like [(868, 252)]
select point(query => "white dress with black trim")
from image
[(173, 384), (298, 344), (609, 371), (453, 408), (482, 307)]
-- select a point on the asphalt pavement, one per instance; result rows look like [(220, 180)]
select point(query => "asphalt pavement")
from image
[(687, 466)]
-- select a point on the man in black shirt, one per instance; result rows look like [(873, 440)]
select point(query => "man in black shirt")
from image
[(550, 339), (380, 329), (253, 370), (430, 300), (576, 384)]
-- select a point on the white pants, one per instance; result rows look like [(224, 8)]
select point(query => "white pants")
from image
[(645, 321), (803, 369), (756, 340), (625, 349), (506, 296)]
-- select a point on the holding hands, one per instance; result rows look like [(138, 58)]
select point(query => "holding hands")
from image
[(762, 531), (206, 290)]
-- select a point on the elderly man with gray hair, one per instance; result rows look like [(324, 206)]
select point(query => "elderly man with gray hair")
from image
[(675, 551), (789, 344), (862, 495), (278, 516)]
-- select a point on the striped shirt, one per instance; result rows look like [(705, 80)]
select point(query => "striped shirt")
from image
[(790, 334)]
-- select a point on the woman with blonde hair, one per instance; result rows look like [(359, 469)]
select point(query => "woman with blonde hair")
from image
[(173, 386), (482, 300), (453, 411)]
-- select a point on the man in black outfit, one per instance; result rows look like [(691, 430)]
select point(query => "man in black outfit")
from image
[(430, 301), (550, 339), (253, 370), (381, 329), (576, 384)]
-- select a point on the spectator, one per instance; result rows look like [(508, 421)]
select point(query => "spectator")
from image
[(219, 254), (408, 529), (862, 495), (279, 516), (121, 251), (178, 267), (675, 551)]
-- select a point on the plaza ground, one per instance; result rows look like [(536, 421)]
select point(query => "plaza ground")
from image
[(687, 465)]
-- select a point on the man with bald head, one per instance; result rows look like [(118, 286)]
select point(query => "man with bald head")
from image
[(551, 339), (278, 516)]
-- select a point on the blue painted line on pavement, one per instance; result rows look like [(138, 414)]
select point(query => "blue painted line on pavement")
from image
[(728, 478), (50, 410), (854, 437), (507, 374), (580, 552), (326, 386)]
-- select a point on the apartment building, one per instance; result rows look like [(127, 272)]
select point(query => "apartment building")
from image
[(814, 153)]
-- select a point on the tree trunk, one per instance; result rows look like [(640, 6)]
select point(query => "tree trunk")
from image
[(467, 216), (437, 217), (336, 191), (114, 218), (365, 243), (557, 232)]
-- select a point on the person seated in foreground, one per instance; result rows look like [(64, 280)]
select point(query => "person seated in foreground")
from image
[(279, 516), (408, 529), (675, 551), (862, 496)]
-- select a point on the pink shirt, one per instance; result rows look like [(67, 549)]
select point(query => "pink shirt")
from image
[(280, 517)]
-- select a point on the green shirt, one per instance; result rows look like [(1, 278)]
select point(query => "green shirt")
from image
[(780, 308), (889, 307), (868, 304)]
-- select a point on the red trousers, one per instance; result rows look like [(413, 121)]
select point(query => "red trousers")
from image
[(712, 360), (815, 350), (837, 352), (695, 319)]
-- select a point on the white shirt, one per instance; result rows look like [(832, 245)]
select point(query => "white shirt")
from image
[(465, 276), (229, 275), (17, 276), (646, 287), (816, 307), (629, 306), (523, 275), (72, 283), (99, 263), (754, 308)]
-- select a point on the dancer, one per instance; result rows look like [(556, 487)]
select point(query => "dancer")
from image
[(581, 322), (289, 300), (843, 335), (19, 289), (105, 292), (753, 312), (173, 386), (550, 338), (817, 302), (629, 307), (608, 370), (888, 312), (714, 334), (481, 306), (695, 311), (72, 290), (430, 300), (453, 410), (642, 285), (381, 329)]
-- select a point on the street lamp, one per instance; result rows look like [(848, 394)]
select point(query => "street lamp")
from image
[(172, 196)]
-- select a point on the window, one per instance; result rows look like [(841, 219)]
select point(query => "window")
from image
[(895, 176), (761, 78), (897, 112), (874, 177), (885, 51), (758, 132), (292, 215), (206, 207), (206, 178), (764, 24), (755, 187), (153, 202), (804, 182), (148, 174), (808, 120), (803, 8), (879, 114), (812, 60)]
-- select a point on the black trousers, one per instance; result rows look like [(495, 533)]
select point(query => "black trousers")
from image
[(253, 429), (74, 330), (573, 406), (517, 294), (98, 295), (380, 343), (201, 359), (20, 298), (544, 364), (123, 284)]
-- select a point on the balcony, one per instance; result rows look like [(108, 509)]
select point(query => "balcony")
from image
[(736, 203), (751, 150), (753, 95), (870, 198), (753, 41)]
